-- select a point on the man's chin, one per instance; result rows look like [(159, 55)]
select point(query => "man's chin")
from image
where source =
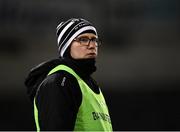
[(91, 57)]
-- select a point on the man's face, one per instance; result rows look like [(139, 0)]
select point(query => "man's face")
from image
[(83, 48)]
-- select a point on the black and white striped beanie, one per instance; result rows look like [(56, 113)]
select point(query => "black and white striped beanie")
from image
[(70, 29)]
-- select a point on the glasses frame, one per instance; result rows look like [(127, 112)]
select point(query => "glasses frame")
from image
[(97, 41)]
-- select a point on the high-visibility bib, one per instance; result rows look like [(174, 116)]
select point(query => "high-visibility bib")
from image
[(93, 113)]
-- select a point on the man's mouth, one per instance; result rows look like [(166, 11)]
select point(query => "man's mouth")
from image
[(91, 55)]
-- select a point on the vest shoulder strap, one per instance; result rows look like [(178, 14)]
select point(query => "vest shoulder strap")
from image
[(65, 68)]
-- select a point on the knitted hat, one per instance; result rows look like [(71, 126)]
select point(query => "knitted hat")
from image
[(70, 29)]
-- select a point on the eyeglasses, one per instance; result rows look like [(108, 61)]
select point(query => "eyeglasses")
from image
[(86, 41)]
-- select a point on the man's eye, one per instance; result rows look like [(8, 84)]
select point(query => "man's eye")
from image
[(94, 40), (83, 39)]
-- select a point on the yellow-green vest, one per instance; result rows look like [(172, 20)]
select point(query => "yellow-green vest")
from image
[(93, 113)]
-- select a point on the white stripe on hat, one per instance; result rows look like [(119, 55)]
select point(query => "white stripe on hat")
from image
[(60, 25), (75, 35), (64, 30), (70, 33)]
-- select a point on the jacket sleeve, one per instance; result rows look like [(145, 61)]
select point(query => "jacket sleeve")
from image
[(58, 101)]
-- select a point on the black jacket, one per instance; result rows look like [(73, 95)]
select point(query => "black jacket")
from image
[(58, 96)]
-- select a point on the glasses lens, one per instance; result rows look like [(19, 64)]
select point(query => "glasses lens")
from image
[(86, 41)]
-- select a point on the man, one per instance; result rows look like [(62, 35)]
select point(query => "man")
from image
[(64, 94)]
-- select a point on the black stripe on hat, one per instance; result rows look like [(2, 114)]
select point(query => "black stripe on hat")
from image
[(61, 26), (73, 29), (67, 32)]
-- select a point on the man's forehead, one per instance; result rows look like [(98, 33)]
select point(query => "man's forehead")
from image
[(87, 35)]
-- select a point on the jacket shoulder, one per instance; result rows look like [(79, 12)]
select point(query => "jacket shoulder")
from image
[(62, 83)]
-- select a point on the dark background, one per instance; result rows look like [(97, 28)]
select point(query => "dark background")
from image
[(138, 64)]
